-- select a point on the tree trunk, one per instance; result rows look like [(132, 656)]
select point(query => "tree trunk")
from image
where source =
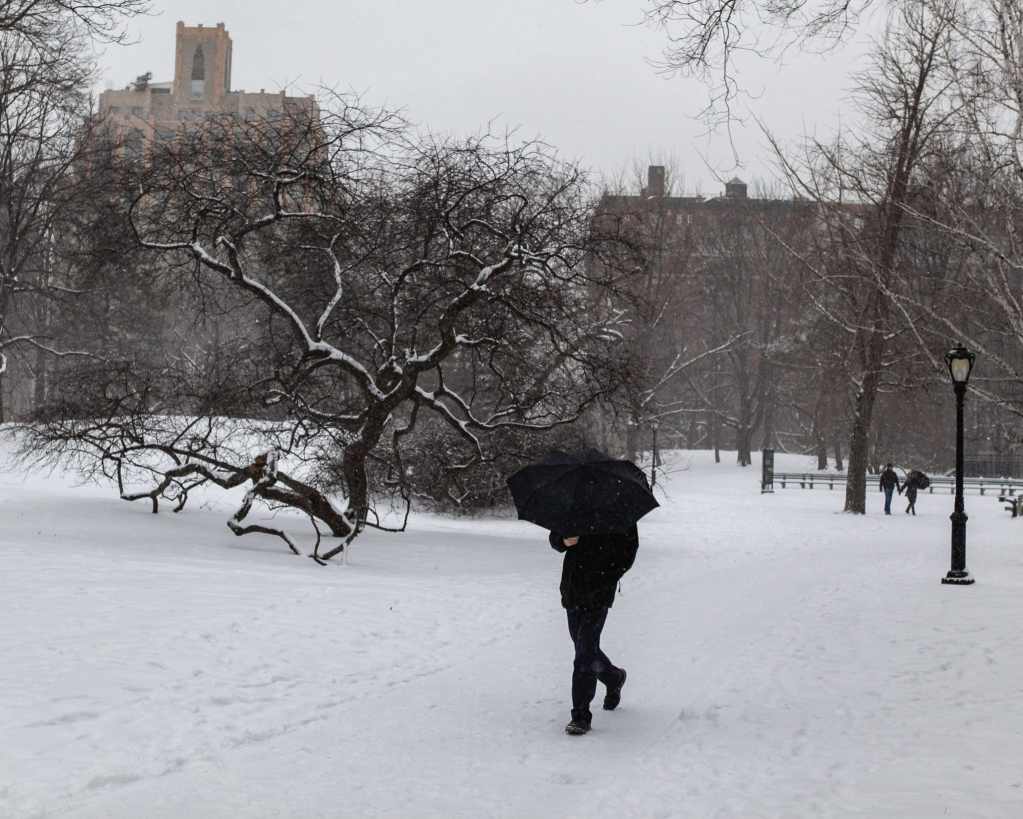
[(856, 477), (859, 438), (820, 441), (39, 391), (743, 445), (770, 439), (631, 441), (766, 403), (310, 499), (353, 467), (838, 452)]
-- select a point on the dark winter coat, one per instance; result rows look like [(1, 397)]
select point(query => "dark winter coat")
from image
[(889, 480), (593, 567), (910, 486)]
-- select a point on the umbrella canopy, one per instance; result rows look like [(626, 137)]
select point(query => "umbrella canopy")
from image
[(581, 493), (919, 478)]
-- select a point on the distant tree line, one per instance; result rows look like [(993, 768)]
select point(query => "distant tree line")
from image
[(907, 243)]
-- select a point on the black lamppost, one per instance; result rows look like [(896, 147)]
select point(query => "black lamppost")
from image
[(655, 460), (960, 363)]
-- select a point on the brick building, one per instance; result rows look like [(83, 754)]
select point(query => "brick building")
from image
[(145, 111), (703, 273)]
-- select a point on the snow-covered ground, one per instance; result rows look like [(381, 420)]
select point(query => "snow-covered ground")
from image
[(785, 660)]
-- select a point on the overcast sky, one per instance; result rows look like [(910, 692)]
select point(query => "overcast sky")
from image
[(574, 74)]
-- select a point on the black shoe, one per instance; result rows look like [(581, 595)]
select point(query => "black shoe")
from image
[(579, 725), (614, 694)]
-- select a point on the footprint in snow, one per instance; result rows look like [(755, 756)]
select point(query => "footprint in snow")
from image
[(112, 780), (65, 719)]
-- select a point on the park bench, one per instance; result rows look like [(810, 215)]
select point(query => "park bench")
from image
[(807, 480), (1012, 504)]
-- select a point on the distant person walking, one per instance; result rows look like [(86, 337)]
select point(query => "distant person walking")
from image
[(888, 483), (910, 487), (915, 481)]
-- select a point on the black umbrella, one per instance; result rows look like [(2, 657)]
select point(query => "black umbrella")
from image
[(580, 493), (919, 478)]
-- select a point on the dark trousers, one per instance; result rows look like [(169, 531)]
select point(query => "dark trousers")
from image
[(591, 664), (911, 497), (888, 490)]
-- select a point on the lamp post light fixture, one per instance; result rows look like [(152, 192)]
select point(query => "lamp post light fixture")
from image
[(960, 364)]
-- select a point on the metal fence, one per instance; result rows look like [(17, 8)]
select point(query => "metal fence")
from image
[(942, 483), (1006, 465)]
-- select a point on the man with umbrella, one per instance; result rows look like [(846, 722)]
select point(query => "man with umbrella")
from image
[(593, 565), (591, 504)]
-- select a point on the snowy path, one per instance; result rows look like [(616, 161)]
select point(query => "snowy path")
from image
[(785, 661)]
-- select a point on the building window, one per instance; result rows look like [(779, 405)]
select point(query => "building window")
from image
[(198, 72), (198, 64)]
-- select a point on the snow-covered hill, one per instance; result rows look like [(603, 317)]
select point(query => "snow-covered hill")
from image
[(785, 660)]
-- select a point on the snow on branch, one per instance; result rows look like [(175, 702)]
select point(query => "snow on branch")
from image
[(385, 257)]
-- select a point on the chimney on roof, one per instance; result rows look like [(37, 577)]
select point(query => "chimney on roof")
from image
[(735, 188), (654, 181)]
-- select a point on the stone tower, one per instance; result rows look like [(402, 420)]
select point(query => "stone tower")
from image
[(654, 181), (735, 188), (145, 112), (202, 65)]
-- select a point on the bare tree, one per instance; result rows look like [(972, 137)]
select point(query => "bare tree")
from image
[(705, 37), (112, 422), (652, 277), (975, 201), (864, 186), (33, 20), (393, 278), (42, 108), (714, 308), (751, 294), (45, 71)]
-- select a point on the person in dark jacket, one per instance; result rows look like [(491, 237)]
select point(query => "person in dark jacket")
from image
[(911, 485), (888, 483), (590, 573)]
